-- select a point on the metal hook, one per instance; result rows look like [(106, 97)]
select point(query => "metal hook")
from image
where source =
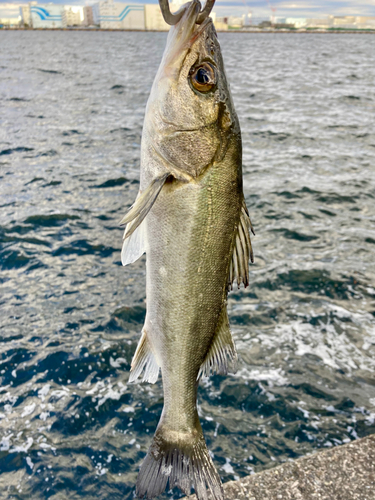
[(173, 19), (204, 13)]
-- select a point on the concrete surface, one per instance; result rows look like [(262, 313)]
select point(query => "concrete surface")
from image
[(345, 472)]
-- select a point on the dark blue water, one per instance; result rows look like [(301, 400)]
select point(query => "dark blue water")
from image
[(71, 111)]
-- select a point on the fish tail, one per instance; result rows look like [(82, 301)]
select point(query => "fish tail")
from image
[(183, 460)]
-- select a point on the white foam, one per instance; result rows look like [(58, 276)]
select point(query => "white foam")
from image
[(116, 363), (23, 448), (5, 442), (28, 410), (272, 376), (128, 409), (227, 466), (42, 393)]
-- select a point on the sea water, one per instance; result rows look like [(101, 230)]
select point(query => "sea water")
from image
[(71, 112)]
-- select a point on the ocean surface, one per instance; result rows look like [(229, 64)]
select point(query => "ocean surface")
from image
[(71, 113)]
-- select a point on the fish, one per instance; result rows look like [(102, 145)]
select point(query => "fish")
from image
[(191, 220)]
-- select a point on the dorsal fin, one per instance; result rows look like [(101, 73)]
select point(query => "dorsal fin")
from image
[(242, 252)]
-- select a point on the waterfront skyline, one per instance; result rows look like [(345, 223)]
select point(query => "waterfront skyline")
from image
[(258, 8)]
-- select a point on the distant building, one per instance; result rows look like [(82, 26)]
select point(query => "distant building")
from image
[(88, 16), (255, 20), (46, 16), (154, 19), (365, 22), (25, 15), (319, 23), (298, 22), (265, 24), (221, 23), (246, 20), (110, 15), (72, 16), (10, 22), (235, 22), (347, 22)]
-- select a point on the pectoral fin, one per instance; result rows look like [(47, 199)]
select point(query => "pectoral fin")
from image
[(134, 246), (222, 349), (242, 252), (134, 240), (144, 358), (142, 205)]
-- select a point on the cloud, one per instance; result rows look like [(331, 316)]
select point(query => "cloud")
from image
[(9, 9)]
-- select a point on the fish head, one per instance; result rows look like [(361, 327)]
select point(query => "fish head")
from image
[(190, 113)]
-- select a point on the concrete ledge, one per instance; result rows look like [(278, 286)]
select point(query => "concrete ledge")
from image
[(342, 473)]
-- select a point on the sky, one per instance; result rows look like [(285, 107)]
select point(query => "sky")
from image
[(258, 8)]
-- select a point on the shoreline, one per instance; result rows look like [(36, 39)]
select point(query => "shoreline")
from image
[(275, 31)]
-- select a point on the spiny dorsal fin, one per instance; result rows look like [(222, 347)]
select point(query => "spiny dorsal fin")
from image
[(221, 349), (242, 252), (144, 357)]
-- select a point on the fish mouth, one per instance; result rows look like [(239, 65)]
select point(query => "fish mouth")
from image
[(184, 33), (198, 31), (181, 39)]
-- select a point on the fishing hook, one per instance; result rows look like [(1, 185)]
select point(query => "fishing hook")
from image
[(173, 19)]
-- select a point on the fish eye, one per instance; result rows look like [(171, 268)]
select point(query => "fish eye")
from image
[(203, 77)]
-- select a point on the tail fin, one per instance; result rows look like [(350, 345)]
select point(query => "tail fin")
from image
[(184, 463)]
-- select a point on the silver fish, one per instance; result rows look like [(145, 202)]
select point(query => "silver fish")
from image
[(191, 219)]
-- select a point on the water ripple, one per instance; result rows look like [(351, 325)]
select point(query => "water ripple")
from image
[(71, 426)]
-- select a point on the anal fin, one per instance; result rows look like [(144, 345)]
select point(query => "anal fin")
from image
[(222, 350), (144, 358), (242, 251)]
